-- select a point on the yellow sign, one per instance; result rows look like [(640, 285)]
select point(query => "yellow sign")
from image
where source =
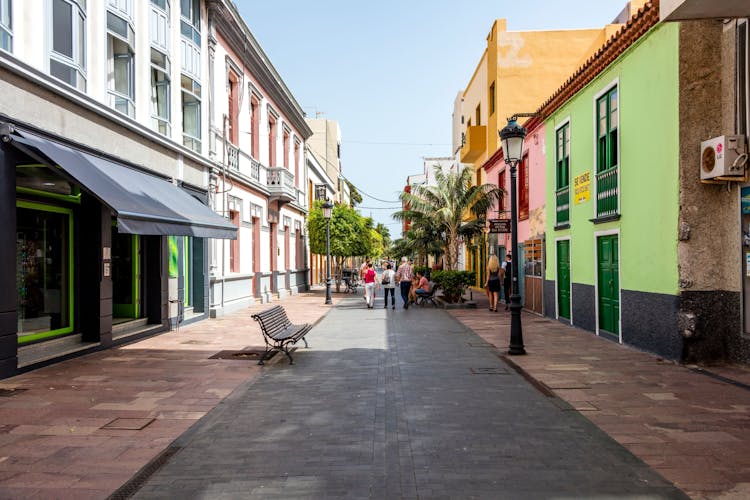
[(582, 188)]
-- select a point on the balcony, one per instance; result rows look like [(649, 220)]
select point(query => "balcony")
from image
[(607, 193), (562, 206), (475, 143), (280, 182)]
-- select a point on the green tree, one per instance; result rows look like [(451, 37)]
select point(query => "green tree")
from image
[(445, 205), (351, 235), (353, 193)]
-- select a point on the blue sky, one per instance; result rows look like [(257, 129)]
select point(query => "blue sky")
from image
[(388, 72)]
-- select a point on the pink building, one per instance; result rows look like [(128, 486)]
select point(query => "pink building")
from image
[(530, 183)]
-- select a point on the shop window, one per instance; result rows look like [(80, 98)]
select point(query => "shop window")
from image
[(44, 264), (67, 57)]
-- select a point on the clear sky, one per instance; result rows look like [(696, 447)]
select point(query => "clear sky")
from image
[(389, 71)]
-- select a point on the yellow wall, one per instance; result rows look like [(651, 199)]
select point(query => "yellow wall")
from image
[(527, 67)]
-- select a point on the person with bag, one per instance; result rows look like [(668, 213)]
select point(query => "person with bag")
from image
[(388, 281), (404, 275), (370, 285)]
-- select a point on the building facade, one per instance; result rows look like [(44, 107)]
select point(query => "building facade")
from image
[(258, 136), (104, 174)]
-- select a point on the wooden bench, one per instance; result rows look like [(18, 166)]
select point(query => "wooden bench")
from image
[(278, 332)]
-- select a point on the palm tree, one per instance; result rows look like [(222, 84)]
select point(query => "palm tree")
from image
[(455, 209)]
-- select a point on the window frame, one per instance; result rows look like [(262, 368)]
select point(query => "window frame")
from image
[(522, 185), (562, 166), (6, 27), (195, 141), (606, 92), (77, 61)]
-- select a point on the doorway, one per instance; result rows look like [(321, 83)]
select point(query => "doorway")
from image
[(563, 279), (608, 285), (126, 276)]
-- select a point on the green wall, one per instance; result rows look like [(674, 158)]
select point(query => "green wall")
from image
[(649, 185)]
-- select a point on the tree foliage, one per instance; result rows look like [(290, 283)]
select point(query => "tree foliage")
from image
[(448, 212), (354, 194)]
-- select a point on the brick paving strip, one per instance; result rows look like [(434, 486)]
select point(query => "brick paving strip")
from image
[(689, 424), (83, 427)]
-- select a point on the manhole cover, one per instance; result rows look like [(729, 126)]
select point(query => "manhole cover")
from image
[(489, 371), (128, 424), (6, 393), (246, 354)]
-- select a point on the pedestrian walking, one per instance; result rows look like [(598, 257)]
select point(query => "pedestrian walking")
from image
[(404, 275), (370, 285), (508, 278), (362, 272), (492, 284), (388, 280)]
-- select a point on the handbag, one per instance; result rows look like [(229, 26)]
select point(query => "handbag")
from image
[(386, 278)]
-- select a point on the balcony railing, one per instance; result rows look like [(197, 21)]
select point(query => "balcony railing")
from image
[(607, 192), (280, 182), (254, 170), (233, 156), (562, 205), (476, 143)]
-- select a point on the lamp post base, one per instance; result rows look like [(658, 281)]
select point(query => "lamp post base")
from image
[(516, 347), (328, 291)]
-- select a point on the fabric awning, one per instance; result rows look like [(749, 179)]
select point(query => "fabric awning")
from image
[(142, 203)]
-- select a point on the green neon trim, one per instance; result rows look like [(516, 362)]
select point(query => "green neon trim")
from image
[(136, 276), (55, 196), (71, 271), (186, 268)]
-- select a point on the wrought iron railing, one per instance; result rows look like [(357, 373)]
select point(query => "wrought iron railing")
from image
[(607, 192), (562, 205)]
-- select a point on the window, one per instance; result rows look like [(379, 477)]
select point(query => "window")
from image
[(234, 246), (562, 172), (478, 115), (285, 143), (271, 140), (160, 93), (190, 22), (121, 76), (607, 142), (492, 99), (606, 130), (159, 25), (523, 188), (233, 104), (743, 77), (44, 248), (6, 25), (67, 58), (191, 114), (296, 162), (255, 125)]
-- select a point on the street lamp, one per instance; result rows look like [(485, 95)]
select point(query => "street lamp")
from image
[(512, 142), (327, 212)]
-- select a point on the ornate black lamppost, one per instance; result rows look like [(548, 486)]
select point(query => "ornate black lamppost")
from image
[(512, 142), (327, 212)]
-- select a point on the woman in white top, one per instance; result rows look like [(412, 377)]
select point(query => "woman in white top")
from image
[(388, 280)]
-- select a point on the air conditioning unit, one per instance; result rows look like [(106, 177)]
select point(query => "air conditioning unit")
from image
[(723, 156)]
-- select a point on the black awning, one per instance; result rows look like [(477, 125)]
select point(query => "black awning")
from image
[(143, 203)]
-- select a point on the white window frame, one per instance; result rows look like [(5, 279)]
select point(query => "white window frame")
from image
[(605, 89), (158, 121), (565, 122), (78, 59), (193, 139), (6, 29)]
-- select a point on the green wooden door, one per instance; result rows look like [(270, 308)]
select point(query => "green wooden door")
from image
[(608, 280), (563, 279)]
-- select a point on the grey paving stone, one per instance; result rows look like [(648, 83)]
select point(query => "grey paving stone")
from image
[(398, 404)]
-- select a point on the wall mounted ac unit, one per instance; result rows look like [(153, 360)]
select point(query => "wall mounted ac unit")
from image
[(723, 156)]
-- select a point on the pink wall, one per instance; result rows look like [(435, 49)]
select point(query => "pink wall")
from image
[(533, 225)]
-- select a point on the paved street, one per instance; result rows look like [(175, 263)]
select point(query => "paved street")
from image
[(397, 404), (354, 418)]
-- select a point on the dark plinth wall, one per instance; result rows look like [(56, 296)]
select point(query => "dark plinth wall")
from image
[(583, 306), (94, 298), (649, 322), (718, 329), (8, 296)]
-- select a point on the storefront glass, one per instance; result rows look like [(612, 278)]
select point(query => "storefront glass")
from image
[(43, 271)]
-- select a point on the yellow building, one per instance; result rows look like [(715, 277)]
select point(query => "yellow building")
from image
[(517, 71)]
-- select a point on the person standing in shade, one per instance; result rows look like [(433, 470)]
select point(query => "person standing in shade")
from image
[(369, 285), (404, 275), (388, 280), (507, 278)]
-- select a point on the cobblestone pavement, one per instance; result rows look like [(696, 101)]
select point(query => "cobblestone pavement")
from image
[(85, 427), (397, 404), (690, 424)]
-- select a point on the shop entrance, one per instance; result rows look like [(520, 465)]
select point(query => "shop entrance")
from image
[(127, 276)]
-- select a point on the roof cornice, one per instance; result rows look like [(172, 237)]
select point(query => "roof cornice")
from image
[(637, 26), (224, 17)]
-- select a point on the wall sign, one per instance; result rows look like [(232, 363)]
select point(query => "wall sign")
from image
[(582, 188), (499, 225)]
